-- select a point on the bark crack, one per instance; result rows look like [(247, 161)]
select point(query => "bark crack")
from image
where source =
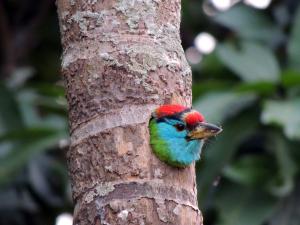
[(127, 115), (153, 189)]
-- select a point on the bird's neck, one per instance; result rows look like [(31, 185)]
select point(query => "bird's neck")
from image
[(183, 150)]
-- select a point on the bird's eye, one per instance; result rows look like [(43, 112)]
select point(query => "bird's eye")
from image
[(179, 127)]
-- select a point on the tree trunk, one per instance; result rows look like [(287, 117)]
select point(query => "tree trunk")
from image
[(122, 59)]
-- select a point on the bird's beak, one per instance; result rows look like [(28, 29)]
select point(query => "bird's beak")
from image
[(204, 130)]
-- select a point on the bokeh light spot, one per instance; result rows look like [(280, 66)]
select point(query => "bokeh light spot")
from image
[(259, 4), (222, 5), (193, 55), (64, 219), (205, 43)]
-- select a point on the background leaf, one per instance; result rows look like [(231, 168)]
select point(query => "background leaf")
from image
[(17, 157), (217, 106), (250, 170), (294, 45), (283, 183), (283, 113), (243, 206), (250, 24), (291, 78), (10, 116), (251, 62)]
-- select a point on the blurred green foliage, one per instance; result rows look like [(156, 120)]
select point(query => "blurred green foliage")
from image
[(250, 85), (34, 186), (250, 173)]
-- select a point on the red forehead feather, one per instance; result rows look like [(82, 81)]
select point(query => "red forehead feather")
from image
[(167, 110), (193, 118)]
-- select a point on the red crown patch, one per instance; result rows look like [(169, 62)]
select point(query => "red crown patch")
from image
[(168, 110)]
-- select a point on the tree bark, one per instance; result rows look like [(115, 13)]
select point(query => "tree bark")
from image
[(122, 59)]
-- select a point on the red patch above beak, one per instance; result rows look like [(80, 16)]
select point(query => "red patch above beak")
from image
[(193, 117)]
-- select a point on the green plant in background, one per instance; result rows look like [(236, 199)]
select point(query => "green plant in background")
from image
[(34, 186), (251, 85), (33, 130)]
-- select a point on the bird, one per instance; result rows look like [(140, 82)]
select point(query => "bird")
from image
[(177, 134)]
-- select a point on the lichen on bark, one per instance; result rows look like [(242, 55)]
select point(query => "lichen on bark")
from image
[(121, 59)]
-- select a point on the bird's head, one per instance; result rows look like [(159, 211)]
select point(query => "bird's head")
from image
[(177, 134)]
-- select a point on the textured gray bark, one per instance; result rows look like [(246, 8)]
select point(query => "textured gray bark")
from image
[(121, 59)]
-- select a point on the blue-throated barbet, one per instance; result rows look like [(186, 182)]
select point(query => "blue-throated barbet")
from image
[(177, 134)]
